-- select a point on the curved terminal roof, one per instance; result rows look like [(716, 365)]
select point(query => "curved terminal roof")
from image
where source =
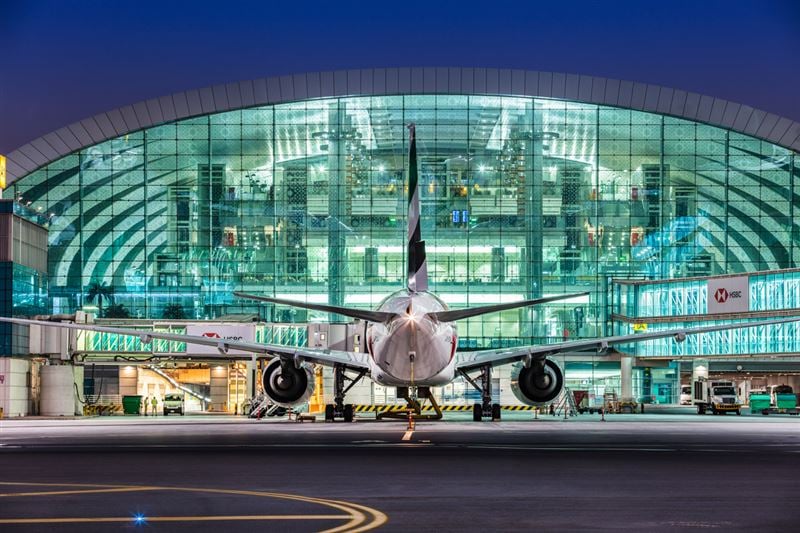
[(395, 81)]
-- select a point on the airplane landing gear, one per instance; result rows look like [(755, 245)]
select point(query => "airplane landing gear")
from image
[(339, 409), (413, 405), (485, 409)]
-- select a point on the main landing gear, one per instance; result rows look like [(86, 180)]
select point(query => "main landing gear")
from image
[(339, 409), (485, 409)]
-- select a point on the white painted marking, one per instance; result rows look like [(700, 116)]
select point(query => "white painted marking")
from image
[(407, 434)]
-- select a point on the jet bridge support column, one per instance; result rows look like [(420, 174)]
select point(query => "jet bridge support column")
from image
[(219, 388), (626, 378)]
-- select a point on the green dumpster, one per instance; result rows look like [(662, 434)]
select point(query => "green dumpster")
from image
[(131, 404), (786, 401), (759, 403)]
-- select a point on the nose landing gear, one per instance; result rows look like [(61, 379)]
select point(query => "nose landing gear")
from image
[(414, 406)]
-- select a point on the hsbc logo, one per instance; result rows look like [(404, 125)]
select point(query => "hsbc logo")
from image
[(722, 295), (212, 335)]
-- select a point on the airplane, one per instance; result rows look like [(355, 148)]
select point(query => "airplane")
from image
[(411, 342)]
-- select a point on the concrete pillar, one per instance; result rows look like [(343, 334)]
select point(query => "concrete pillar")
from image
[(14, 392), (626, 378), (219, 388), (699, 370), (128, 380), (58, 391), (699, 373)]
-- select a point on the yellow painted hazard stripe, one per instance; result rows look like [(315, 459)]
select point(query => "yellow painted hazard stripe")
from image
[(387, 408)]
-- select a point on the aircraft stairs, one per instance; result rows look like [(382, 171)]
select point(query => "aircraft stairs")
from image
[(564, 404)]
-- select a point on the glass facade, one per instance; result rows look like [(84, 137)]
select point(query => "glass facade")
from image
[(521, 197), (772, 294)]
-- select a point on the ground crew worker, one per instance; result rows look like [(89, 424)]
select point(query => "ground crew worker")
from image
[(146, 404), (154, 403)]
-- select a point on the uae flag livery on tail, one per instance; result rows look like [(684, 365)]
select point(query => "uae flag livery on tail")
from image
[(417, 266)]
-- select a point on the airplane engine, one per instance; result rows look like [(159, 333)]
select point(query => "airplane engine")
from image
[(539, 384), (287, 387)]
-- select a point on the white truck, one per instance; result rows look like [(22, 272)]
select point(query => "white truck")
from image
[(719, 397)]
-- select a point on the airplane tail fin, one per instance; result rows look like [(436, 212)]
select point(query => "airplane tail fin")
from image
[(417, 266)]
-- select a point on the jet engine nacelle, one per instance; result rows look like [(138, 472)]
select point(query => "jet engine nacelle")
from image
[(287, 386), (538, 384)]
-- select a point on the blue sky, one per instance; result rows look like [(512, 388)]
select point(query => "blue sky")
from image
[(63, 61)]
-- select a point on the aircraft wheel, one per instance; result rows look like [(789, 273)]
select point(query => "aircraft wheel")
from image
[(477, 412), (495, 411), (348, 412), (329, 412)]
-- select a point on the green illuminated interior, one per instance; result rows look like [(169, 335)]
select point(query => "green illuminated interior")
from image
[(521, 197)]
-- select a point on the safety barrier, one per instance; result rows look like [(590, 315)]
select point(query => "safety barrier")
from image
[(102, 410), (464, 408)]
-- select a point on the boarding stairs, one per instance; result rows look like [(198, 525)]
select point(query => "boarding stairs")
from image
[(565, 404)]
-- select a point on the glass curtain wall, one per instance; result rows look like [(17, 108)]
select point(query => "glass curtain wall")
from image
[(521, 197)]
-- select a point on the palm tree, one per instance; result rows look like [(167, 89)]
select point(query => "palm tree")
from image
[(174, 312), (117, 311), (100, 292)]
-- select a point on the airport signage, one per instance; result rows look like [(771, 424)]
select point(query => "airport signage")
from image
[(221, 332), (729, 295)]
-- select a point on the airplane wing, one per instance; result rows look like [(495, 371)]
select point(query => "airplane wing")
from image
[(474, 360), (361, 314), (459, 314), (353, 360)]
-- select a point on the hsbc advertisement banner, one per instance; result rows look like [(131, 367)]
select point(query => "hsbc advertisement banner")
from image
[(729, 295), (232, 332)]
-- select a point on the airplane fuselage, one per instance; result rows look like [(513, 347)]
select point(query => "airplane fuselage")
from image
[(412, 349)]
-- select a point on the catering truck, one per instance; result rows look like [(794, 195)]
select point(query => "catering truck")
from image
[(719, 397)]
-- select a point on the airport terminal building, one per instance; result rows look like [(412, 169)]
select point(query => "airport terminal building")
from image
[(532, 184)]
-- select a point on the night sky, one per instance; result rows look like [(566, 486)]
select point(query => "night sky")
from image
[(66, 60)]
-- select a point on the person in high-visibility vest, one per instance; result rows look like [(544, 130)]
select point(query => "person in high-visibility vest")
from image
[(154, 403), (146, 404)]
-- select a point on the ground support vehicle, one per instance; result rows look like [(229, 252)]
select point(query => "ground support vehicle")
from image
[(781, 401), (173, 403), (717, 397)]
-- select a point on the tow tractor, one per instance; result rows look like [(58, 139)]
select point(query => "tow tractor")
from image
[(719, 397)]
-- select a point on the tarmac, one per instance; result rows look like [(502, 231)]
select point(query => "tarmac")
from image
[(651, 472)]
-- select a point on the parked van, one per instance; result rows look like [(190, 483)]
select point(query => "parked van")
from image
[(686, 395), (173, 403)]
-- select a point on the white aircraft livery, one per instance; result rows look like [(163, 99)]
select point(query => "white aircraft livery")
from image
[(411, 342)]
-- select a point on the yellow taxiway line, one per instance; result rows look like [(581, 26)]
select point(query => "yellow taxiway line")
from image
[(218, 518), (360, 517)]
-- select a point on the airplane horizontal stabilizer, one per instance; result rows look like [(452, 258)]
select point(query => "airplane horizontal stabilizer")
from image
[(362, 314), (459, 314)]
